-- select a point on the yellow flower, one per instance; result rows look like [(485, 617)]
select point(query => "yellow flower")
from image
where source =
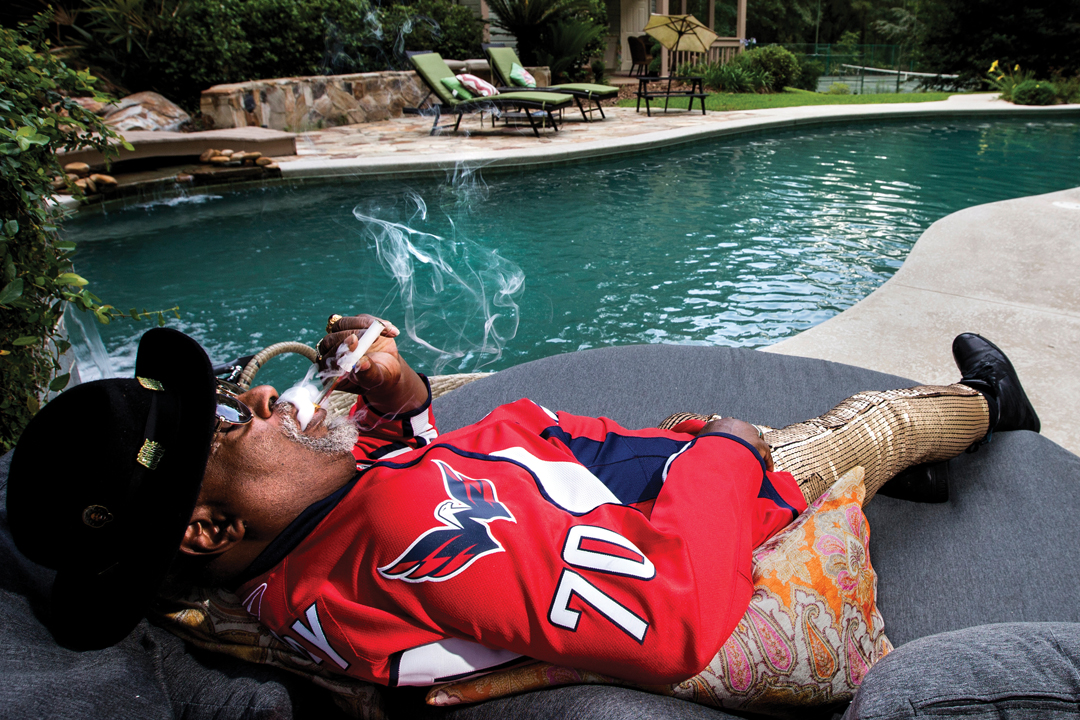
[(994, 66), (1017, 68)]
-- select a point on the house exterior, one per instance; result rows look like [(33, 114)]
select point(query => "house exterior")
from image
[(628, 17)]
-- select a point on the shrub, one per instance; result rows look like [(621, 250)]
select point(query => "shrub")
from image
[(838, 89), (1068, 89), (456, 32), (36, 118), (530, 20), (772, 65), (209, 42), (810, 71), (565, 46), (1005, 80), (1034, 92), (599, 71)]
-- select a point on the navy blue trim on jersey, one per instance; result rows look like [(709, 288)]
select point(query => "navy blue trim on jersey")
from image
[(295, 533), (631, 467), (392, 447), (406, 427), (476, 456)]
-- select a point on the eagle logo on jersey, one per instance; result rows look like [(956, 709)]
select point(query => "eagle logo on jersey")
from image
[(464, 537)]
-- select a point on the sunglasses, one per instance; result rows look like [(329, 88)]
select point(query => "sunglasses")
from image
[(231, 411)]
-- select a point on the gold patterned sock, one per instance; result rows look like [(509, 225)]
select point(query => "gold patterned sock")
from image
[(884, 432)]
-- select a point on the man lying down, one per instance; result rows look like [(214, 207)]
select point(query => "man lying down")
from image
[(401, 556)]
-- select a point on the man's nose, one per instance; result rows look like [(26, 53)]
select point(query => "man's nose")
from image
[(261, 400)]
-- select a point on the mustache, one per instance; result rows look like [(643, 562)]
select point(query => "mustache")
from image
[(339, 439)]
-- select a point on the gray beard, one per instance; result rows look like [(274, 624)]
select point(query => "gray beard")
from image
[(339, 440)]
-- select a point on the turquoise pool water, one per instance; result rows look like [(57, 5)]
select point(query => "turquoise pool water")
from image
[(738, 242)]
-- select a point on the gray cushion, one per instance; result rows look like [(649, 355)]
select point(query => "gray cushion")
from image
[(1020, 671), (998, 551)]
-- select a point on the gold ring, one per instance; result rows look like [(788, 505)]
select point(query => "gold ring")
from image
[(331, 321)]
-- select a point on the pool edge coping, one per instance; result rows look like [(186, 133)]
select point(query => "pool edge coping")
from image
[(762, 120)]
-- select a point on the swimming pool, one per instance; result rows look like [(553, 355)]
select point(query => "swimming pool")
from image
[(741, 241)]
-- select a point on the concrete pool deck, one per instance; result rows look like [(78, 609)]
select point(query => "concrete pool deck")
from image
[(1005, 270)]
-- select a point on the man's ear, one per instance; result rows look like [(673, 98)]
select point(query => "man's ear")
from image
[(211, 533)]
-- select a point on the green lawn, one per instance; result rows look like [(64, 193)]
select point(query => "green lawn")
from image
[(793, 98)]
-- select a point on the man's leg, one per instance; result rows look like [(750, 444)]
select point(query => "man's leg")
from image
[(890, 431), (884, 432)]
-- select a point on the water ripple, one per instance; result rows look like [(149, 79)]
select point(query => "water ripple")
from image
[(740, 242)]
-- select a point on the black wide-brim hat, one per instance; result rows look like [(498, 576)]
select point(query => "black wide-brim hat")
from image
[(103, 483)]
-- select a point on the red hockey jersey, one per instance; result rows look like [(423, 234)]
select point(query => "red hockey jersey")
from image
[(531, 533)]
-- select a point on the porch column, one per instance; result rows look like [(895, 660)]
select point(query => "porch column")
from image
[(485, 14), (662, 9), (740, 23)]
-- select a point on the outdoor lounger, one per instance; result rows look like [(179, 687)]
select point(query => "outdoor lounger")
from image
[(503, 58), (432, 69)]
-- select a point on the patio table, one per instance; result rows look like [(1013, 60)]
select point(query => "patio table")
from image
[(697, 90)]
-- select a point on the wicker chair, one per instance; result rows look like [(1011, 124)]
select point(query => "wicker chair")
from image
[(639, 54)]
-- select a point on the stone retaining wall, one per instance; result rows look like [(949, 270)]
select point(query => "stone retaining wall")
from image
[(309, 103)]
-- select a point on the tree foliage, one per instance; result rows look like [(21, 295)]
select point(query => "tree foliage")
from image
[(36, 275), (550, 30), (181, 47), (966, 36)]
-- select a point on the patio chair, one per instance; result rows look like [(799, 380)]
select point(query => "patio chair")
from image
[(502, 59), (432, 69), (639, 54)]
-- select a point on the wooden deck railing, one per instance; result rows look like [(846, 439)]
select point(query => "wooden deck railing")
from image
[(722, 51)]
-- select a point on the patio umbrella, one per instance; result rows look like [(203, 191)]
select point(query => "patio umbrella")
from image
[(680, 33)]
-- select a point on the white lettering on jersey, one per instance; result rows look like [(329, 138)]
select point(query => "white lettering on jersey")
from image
[(446, 660), (573, 585), (608, 562), (569, 485), (253, 602), (316, 636), (593, 557)]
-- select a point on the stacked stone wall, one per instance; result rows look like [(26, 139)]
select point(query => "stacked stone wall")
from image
[(299, 104)]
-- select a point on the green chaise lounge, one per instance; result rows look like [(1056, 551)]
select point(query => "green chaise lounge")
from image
[(432, 69), (503, 58)]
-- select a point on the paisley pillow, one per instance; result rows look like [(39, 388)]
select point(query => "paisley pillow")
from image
[(809, 636)]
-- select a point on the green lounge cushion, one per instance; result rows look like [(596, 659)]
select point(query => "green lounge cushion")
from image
[(432, 68), (545, 99), (592, 89), (502, 60)]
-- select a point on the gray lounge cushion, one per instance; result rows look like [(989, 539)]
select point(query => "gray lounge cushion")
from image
[(999, 551), (1019, 671)]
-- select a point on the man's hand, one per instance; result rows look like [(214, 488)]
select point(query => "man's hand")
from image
[(744, 431), (379, 366), (381, 375)]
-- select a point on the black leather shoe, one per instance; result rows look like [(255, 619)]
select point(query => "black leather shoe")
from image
[(985, 368), (926, 483)]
